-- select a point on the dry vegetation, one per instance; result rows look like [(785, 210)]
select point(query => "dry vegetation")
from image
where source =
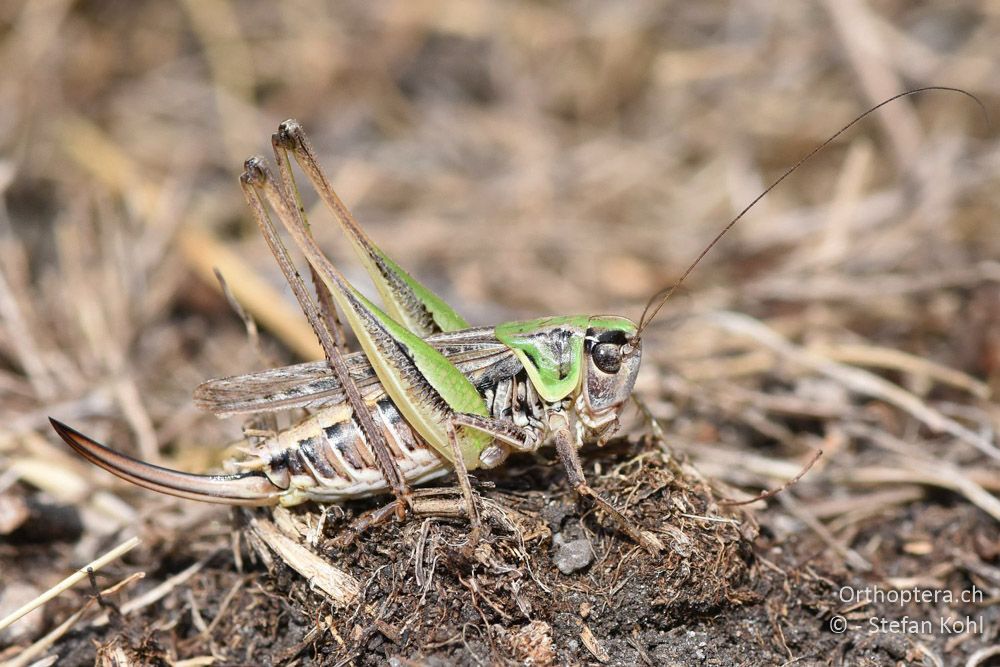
[(524, 159)]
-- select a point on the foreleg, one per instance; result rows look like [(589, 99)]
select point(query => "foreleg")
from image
[(568, 450)]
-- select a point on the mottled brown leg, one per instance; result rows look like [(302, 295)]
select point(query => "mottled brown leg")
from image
[(568, 454)]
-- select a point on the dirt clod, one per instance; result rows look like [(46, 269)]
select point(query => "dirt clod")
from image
[(532, 644), (573, 555)]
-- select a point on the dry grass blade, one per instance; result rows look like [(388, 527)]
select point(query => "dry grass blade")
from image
[(850, 556), (71, 580), (48, 640), (866, 355), (339, 586), (981, 656), (594, 646), (855, 379), (154, 594), (206, 255), (939, 474), (43, 644)]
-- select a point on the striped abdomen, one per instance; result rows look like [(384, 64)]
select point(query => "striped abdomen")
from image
[(327, 458)]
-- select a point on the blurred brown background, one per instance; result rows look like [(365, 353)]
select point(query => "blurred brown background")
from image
[(524, 159)]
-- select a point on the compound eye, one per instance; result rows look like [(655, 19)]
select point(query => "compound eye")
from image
[(607, 357)]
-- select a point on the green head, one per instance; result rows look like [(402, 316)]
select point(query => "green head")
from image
[(566, 356)]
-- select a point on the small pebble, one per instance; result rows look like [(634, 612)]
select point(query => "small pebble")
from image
[(573, 555)]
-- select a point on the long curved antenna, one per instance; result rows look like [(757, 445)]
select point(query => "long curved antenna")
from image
[(250, 488), (650, 311)]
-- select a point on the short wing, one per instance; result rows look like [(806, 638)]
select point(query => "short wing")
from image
[(475, 352), (308, 385)]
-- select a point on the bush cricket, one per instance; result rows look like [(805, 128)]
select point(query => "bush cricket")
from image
[(426, 394)]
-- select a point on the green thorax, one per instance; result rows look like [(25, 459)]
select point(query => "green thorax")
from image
[(551, 349)]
